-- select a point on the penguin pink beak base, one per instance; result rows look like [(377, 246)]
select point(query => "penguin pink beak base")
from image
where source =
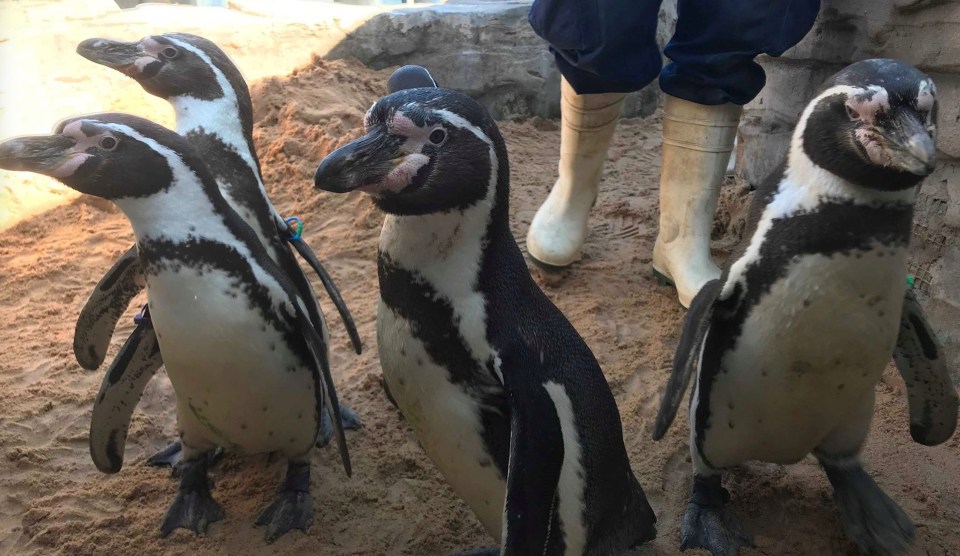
[(909, 145)]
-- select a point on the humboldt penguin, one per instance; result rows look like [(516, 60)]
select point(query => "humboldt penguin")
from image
[(789, 343), (249, 368), (501, 391), (214, 112)]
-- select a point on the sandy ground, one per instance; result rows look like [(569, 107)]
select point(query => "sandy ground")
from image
[(52, 499)]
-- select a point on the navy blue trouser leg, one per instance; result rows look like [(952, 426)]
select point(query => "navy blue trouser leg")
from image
[(601, 46), (604, 46), (713, 49)]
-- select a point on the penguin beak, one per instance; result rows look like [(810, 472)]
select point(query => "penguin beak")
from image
[(910, 145), (364, 164), (49, 155), (125, 57)]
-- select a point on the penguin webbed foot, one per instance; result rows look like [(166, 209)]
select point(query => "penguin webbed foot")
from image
[(872, 520), (350, 419), (708, 522), (293, 506), (172, 457), (193, 508)]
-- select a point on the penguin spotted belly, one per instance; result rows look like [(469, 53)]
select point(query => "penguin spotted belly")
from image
[(445, 418), (238, 384), (808, 359)]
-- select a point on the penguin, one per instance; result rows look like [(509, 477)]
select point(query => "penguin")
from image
[(215, 114), (789, 343), (501, 391), (248, 365)]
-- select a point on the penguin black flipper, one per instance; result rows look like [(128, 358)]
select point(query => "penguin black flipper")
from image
[(536, 459), (687, 358), (410, 77), (123, 384), (326, 392), (930, 392), (328, 283), (106, 304)]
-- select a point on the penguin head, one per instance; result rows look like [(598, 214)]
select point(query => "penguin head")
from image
[(112, 156), (873, 124), (170, 65), (426, 150)]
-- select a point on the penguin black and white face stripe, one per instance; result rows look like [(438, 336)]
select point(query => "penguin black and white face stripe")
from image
[(873, 124), (426, 150)]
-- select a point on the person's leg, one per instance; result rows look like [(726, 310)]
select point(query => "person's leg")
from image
[(604, 50), (712, 74)]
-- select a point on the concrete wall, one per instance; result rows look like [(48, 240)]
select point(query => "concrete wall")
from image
[(925, 33)]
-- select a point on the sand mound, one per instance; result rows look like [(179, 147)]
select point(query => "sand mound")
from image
[(54, 501)]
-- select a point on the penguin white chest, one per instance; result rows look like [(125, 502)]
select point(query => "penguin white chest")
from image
[(808, 357), (238, 383), (444, 417)]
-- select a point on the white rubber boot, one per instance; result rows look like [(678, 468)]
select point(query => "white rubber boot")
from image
[(697, 140), (559, 228)]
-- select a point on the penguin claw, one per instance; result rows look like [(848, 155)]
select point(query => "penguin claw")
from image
[(714, 529), (350, 419), (709, 524), (193, 508), (872, 520), (293, 507), (290, 510)]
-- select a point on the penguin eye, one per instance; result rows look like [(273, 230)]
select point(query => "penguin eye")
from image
[(169, 53), (438, 136), (851, 113), (108, 143)]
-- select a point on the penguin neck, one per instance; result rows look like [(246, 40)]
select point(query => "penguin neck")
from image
[(190, 207), (219, 117), (439, 239)]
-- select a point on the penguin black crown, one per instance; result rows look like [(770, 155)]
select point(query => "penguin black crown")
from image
[(787, 346), (249, 368), (501, 391)]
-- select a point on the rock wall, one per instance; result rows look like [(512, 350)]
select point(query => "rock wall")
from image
[(483, 48), (925, 33)]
